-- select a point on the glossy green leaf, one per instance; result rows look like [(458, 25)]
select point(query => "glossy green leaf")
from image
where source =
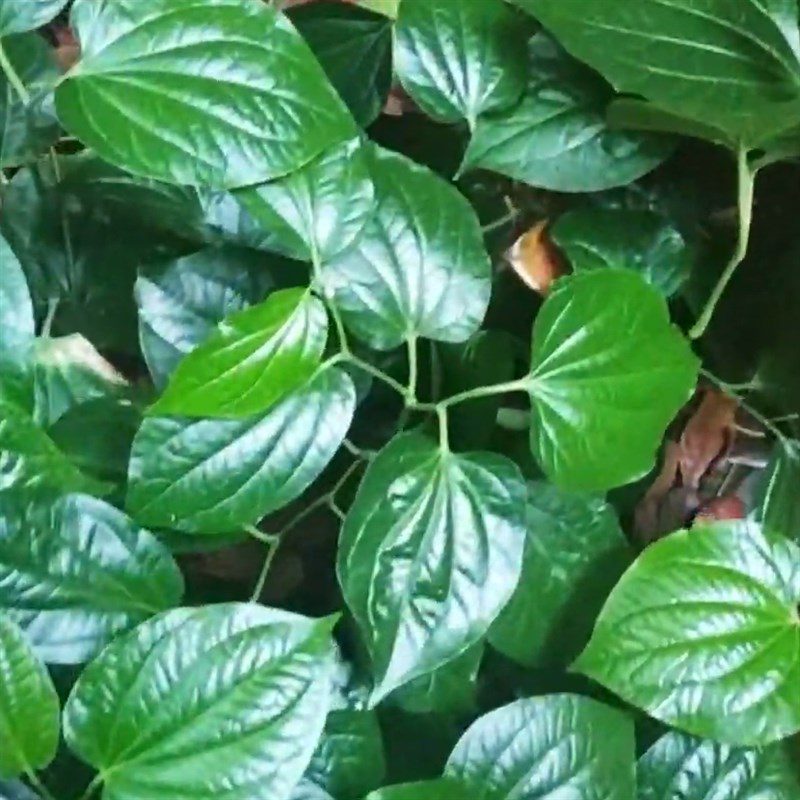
[(224, 702), (27, 126), (74, 572), (556, 137), (439, 789), (703, 633), (29, 708), (253, 359), (608, 373), (420, 267), (731, 65), (459, 60), (553, 745), (430, 552), (575, 551), (643, 241), (216, 476), (226, 94), (779, 507), (319, 210), (678, 765), (17, 16), (354, 47)]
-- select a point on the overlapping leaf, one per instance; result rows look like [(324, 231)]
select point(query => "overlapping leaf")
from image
[(17, 16), (779, 501)]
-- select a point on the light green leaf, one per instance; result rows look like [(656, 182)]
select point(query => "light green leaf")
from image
[(74, 572), (430, 552), (702, 632), (216, 703), (678, 765), (17, 16), (29, 708), (216, 476), (420, 267), (643, 241), (439, 789), (608, 373), (552, 745), (319, 210), (730, 65), (459, 60), (224, 93), (574, 553), (557, 137), (253, 359), (779, 501)]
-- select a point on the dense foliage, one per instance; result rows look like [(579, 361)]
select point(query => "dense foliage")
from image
[(383, 411)]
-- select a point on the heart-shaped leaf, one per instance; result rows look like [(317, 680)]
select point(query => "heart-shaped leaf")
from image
[(703, 633), (17, 16), (222, 93), (216, 703), (608, 373), (74, 572), (430, 552)]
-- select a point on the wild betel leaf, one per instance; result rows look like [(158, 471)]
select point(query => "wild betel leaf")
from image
[(608, 373), (438, 789), (222, 93), (703, 633), (29, 707), (459, 60), (430, 551), (556, 744), (74, 572), (420, 267), (220, 702), (779, 503), (254, 358), (17, 16)]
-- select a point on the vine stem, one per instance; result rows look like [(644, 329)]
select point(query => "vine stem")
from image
[(37, 784), (746, 175), (13, 78), (413, 369), (92, 787)]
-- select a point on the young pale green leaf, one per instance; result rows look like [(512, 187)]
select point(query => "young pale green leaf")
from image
[(216, 476), (459, 60), (575, 551), (253, 359), (547, 746), (17, 16), (779, 500), (28, 126), (29, 708), (643, 241), (420, 267), (219, 93), (608, 373), (678, 765), (430, 552), (354, 47), (439, 789), (75, 572), (731, 65), (319, 210), (214, 703), (703, 633), (556, 137)]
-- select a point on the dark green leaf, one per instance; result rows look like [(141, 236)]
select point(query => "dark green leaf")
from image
[(217, 703), (557, 136), (574, 553), (74, 572), (29, 710), (608, 373), (643, 241), (430, 552), (420, 267), (730, 65), (226, 94), (440, 789), (215, 476), (319, 210), (254, 358), (703, 633), (779, 497), (354, 47), (678, 765), (553, 745), (459, 60), (17, 16)]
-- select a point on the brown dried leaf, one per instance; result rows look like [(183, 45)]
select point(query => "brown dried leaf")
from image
[(535, 258)]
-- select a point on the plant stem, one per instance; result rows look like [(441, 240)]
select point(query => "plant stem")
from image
[(510, 216), (262, 536), (377, 373), (36, 783), (262, 577), (519, 385), (92, 787), (444, 432), (413, 368), (746, 182), (13, 78)]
